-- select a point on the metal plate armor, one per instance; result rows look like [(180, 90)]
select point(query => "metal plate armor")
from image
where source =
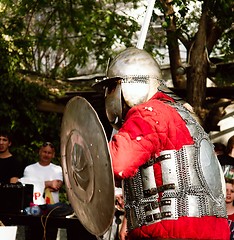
[(192, 182)]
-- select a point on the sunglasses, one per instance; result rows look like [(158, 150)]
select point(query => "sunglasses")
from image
[(45, 144)]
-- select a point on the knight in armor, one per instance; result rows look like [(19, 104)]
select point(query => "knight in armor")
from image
[(171, 178)]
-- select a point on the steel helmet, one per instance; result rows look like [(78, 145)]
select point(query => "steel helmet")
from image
[(139, 72), (132, 76)]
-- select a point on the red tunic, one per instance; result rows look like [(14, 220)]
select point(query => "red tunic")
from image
[(231, 217), (150, 128)]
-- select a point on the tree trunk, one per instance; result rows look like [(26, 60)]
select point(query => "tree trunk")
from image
[(174, 55), (197, 72), (178, 80)]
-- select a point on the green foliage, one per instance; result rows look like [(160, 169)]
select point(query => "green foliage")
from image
[(29, 127), (18, 109), (19, 114), (59, 37), (223, 11), (188, 12)]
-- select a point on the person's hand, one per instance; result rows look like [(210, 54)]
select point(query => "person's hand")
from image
[(188, 107), (191, 110), (54, 185), (123, 233)]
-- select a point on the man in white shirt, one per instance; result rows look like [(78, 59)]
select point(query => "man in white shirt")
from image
[(48, 174), (47, 179)]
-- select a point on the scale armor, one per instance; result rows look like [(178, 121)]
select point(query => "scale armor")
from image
[(189, 187)]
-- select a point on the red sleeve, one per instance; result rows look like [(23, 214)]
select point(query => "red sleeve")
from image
[(148, 130), (131, 147)]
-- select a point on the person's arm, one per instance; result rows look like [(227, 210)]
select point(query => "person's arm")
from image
[(53, 185), (123, 233), (14, 180), (129, 152), (16, 171)]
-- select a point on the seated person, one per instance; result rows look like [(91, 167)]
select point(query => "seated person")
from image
[(47, 173), (10, 170), (49, 176)]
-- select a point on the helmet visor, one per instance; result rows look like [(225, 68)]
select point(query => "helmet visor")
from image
[(135, 89)]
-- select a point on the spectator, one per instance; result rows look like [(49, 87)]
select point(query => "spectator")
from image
[(46, 172), (227, 159), (219, 148), (50, 175), (229, 205), (230, 198), (10, 170)]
